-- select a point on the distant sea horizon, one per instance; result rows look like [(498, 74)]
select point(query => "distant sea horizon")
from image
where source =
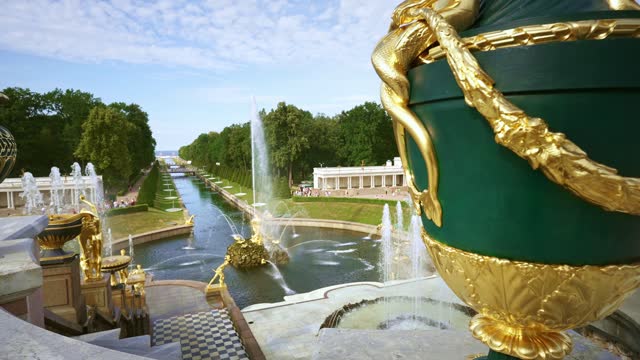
[(166, 152)]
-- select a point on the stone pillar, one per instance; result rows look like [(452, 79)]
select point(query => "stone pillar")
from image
[(324, 183), (349, 183), (394, 180), (316, 185), (373, 183), (384, 180), (61, 290), (98, 294), (337, 187), (10, 203), (361, 182)]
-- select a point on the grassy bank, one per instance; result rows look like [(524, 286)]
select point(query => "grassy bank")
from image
[(153, 219), (360, 212)]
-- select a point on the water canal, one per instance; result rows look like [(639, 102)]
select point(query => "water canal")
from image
[(319, 257)]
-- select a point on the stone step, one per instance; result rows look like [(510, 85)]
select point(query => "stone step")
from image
[(137, 345), (170, 351), (113, 334)]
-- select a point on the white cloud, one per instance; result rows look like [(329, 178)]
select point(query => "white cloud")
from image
[(215, 34)]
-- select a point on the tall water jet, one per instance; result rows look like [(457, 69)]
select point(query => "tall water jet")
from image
[(261, 179), (108, 249), (78, 185), (387, 251), (57, 191), (131, 250), (96, 192), (417, 249), (30, 194), (399, 217)]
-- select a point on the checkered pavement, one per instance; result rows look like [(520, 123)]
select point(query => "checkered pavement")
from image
[(203, 335)]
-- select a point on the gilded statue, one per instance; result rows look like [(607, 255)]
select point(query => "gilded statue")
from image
[(90, 239), (137, 278), (256, 236), (219, 273)]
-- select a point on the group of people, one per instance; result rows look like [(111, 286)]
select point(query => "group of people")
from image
[(122, 203), (306, 191)]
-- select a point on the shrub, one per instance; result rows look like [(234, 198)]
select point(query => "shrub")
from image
[(147, 193)]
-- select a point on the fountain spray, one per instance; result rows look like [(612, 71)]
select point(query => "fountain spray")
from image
[(57, 191), (31, 194)]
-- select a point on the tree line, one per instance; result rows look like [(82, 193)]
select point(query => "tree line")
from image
[(60, 127), (298, 141)]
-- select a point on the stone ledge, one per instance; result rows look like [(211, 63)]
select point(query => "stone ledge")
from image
[(149, 236), (20, 271), (18, 227), (22, 340)]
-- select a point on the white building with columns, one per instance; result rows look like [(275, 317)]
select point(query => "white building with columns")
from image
[(360, 177), (11, 188)]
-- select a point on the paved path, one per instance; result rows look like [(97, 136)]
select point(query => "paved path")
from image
[(182, 314), (133, 194)]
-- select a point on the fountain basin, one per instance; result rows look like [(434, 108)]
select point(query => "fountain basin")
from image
[(403, 313), (400, 313)]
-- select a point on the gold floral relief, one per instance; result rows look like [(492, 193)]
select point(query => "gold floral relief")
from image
[(523, 308)]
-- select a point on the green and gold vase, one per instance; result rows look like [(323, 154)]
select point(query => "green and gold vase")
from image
[(515, 123)]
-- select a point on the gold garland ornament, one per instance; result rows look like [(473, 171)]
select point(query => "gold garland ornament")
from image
[(415, 27)]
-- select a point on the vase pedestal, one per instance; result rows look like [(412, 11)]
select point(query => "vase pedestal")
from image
[(62, 292), (98, 293)]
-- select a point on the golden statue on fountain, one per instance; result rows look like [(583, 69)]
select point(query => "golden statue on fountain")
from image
[(90, 240), (257, 250)]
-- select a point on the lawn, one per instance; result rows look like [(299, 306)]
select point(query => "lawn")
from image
[(356, 212), (332, 210), (123, 225)]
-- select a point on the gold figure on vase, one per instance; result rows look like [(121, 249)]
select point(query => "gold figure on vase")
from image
[(90, 240)]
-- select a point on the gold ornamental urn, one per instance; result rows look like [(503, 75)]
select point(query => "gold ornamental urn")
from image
[(514, 123)]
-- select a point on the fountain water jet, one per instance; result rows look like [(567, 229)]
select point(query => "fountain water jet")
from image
[(31, 194), (108, 249), (57, 191), (277, 276), (78, 185), (96, 193)]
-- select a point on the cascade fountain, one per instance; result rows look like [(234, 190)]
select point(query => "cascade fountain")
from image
[(57, 191), (31, 194), (78, 185)]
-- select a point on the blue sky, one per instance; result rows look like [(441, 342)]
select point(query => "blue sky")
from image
[(193, 65)]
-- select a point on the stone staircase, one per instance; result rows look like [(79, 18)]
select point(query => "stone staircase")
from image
[(137, 345)]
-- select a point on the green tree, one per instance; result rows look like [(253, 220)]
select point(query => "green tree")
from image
[(365, 134), (142, 148), (104, 142), (286, 135)]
